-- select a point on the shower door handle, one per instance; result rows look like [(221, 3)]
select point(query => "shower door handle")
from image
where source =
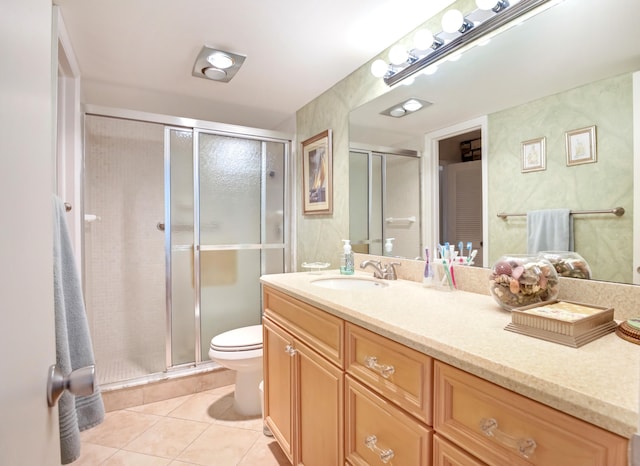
[(80, 382)]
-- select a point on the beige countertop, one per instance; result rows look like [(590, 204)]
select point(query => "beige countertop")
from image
[(598, 382)]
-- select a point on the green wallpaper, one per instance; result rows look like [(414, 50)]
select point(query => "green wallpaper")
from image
[(605, 241), (318, 237)]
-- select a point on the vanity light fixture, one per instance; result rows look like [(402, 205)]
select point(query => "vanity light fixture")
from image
[(406, 107), (217, 65), (460, 32)]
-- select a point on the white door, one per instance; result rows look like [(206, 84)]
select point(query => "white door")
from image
[(29, 429)]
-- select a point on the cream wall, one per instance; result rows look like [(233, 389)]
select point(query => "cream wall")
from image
[(605, 241), (318, 237)]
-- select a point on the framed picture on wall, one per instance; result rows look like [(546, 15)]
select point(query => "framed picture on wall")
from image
[(581, 146), (533, 155), (317, 174)]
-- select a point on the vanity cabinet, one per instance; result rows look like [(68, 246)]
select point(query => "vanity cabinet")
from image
[(501, 427), (337, 393), (388, 401), (304, 380)]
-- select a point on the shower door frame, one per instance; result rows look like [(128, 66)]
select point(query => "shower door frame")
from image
[(197, 126), (198, 247)]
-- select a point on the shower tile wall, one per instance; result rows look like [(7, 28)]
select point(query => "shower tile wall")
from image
[(124, 250)]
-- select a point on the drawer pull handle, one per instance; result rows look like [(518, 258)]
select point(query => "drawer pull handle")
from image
[(290, 350), (385, 454), (385, 370), (525, 446)]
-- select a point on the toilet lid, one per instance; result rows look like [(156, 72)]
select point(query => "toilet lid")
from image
[(239, 339)]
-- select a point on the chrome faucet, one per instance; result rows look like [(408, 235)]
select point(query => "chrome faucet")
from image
[(386, 271)]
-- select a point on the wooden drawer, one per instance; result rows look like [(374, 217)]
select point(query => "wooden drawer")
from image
[(370, 420), (447, 454), (501, 427), (318, 329), (402, 375)]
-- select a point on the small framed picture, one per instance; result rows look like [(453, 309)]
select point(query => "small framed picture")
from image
[(581, 146), (317, 174), (533, 155)]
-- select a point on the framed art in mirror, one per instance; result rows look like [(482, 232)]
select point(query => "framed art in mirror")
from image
[(317, 174), (581, 146), (533, 155)]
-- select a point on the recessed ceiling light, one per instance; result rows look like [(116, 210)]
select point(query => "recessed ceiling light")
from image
[(217, 65), (406, 108)]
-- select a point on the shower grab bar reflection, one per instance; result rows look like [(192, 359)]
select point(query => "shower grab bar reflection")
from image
[(411, 219), (617, 211)]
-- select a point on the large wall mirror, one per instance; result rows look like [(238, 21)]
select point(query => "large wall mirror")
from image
[(570, 67)]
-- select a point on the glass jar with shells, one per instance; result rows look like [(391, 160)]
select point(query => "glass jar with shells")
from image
[(521, 280)]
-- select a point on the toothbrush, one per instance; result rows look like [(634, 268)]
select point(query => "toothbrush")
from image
[(460, 249), (469, 249), (472, 256)]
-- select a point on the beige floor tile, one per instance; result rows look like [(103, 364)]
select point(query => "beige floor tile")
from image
[(119, 428), (204, 407), (265, 452), (127, 458), (167, 438), (182, 463), (220, 446), (92, 455), (161, 408)]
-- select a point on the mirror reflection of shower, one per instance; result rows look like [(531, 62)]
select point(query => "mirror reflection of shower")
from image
[(384, 202), (188, 221)]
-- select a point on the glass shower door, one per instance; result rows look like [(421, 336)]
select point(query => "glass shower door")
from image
[(241, 229)]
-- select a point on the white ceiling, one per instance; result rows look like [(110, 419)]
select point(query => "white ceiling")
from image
[(139, 54)]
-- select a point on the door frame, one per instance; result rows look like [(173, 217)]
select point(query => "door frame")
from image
[(431, 191)]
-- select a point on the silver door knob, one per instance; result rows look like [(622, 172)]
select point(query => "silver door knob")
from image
[(80, 382)]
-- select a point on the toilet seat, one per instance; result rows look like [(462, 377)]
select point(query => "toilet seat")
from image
[(239, 339)]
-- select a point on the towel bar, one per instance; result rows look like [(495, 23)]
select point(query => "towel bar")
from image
[(617, 211)]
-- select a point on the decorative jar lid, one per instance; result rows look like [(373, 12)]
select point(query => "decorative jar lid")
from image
[(629, 330)]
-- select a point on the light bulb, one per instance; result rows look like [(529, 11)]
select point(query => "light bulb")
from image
[(423, 39), (379, 68), (452, 21), (397, 112), (412, 105), (398, 55), (220, 60), (486, 4)]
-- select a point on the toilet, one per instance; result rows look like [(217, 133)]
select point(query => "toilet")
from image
[(241, 350)]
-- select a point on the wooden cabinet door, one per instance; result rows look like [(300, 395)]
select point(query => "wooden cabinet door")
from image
[(278, 359), (319, 409)]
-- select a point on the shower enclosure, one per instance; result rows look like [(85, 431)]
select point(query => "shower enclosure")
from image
[(384, 202), (180, 222)]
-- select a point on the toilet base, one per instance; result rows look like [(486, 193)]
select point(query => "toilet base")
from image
[(247, 399)]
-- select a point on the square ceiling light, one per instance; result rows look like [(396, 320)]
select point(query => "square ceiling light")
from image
[(217, 65)]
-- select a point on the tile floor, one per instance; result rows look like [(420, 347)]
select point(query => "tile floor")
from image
[(199, 429)]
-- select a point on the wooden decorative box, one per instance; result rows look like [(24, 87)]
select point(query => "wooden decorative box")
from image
[(565, 322)]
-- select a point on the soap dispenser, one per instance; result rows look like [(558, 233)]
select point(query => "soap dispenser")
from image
[(388, 245), (346, 259)]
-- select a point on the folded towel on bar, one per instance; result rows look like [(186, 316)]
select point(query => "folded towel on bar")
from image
[(549, 230), (73, 342)]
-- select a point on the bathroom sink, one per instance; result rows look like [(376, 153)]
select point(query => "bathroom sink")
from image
[(349, 283)]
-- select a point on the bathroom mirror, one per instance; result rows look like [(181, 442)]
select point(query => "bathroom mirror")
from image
[(542, 70)]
